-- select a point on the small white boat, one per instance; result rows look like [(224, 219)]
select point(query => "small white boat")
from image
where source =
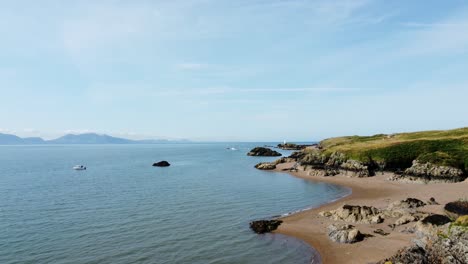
[(79, 167)]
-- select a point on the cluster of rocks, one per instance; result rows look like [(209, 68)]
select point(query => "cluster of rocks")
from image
[(264, 152), (428, 172), (320, 164), (265, 166), (438, 240), (355, 214), (336, 163), (265, 226), (404, 211)]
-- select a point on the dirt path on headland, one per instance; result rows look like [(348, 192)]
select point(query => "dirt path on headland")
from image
[(373, 191)]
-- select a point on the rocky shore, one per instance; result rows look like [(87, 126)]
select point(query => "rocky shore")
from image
[(408, 203), (384, 220)]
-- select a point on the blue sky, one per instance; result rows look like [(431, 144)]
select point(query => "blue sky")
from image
[(233, 70)]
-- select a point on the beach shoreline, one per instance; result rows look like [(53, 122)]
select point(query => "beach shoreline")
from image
[(374, 191)]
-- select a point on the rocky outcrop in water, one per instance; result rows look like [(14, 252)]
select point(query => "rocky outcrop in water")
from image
[(161, 164), (355, 214), (264, 152), (265, 166), (265, 226), (344, 234)]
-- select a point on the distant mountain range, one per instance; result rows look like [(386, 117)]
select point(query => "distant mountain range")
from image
[(87, 138)]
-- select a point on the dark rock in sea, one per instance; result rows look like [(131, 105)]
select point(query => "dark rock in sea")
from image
[(265, 226), (161, 164), (457, 208), (264, 152)]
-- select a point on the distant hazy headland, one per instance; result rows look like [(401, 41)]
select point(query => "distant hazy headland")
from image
[(87, 138)]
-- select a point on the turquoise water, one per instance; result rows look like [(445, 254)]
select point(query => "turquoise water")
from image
[(123, 210)]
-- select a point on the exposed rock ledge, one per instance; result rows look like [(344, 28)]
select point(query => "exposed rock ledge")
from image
[(355, 214), (428, 172)]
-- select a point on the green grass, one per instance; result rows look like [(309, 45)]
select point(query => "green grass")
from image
[(446, 148)]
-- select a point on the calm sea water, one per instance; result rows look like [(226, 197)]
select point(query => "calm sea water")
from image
[(123, 210)]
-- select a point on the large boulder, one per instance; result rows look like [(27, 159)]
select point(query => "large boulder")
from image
[(359, 169), (264, 152), (436, 219), (407, 218), (265, 166), (403, 207), (355, 214), (457, 208), (161, 164), (265, 226), (425, 171), (344, 233)]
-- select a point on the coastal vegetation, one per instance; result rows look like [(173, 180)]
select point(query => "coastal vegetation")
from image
[(426, 156), (398, 151)]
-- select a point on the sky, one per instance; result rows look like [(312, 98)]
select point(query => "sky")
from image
[(223, 70)]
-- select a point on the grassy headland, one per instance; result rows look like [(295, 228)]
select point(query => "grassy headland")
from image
[(422, 156), (398, 151)]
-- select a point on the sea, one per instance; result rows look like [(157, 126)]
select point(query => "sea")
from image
[(124, 210)]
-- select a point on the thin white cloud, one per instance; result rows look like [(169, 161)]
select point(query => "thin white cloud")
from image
[(286, 90), (450, 36), (426, 25)]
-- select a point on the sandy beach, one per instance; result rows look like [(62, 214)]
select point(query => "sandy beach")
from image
[(374, 191)]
